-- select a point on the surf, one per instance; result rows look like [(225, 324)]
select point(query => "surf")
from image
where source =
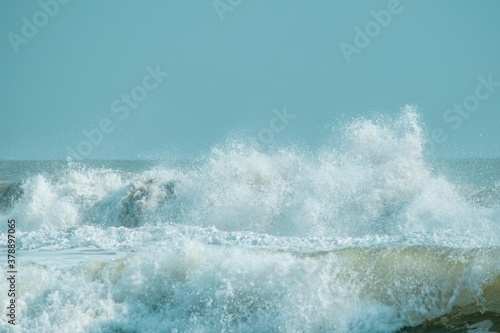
[(365, 234)]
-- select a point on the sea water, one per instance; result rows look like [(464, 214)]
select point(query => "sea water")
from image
[(366, 234)]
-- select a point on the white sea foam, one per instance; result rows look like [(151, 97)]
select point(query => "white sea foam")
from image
[(359, 237)]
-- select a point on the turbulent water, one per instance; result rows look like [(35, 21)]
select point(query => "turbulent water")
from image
[(364, 235)]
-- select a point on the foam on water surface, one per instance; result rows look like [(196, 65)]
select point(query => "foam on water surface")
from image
[(362, 236)]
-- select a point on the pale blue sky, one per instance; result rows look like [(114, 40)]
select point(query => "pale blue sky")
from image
[(227, 76)]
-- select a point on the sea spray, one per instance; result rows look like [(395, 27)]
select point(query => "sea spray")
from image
[(360, 236)]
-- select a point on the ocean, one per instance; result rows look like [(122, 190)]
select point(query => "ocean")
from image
[(368, 233)]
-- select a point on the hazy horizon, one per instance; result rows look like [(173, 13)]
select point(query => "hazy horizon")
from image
[(171, 80)]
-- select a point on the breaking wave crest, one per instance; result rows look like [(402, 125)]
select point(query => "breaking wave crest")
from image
[(375, 182)]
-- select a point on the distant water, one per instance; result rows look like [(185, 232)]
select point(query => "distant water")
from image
[(366, 236)]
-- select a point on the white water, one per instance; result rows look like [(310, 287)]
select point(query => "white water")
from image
[(359, 237)]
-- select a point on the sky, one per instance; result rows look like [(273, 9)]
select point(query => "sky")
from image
[(155, 78)]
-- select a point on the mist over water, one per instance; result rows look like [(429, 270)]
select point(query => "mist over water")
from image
[(362, 235)]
